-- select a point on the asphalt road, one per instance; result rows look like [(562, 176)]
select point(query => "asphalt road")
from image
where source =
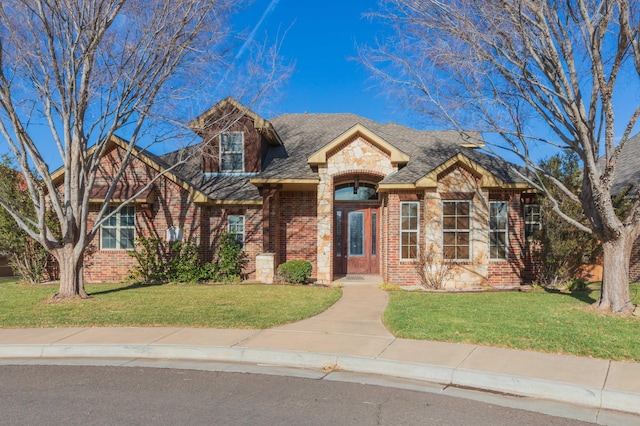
[(75, 395)]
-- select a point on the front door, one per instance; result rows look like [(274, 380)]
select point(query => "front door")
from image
[(356, 240)]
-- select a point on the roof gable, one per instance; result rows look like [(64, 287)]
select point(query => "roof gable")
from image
[(199, 123), (147, 158), (486, 179), (396, 156)]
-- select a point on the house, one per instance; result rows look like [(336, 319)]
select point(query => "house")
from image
[(348, 194), (628, 175)]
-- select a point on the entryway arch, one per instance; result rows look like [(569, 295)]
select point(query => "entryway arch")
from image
[(356, 206)]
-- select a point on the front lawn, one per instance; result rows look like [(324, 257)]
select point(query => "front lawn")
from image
[(224, 306), (539, 321)]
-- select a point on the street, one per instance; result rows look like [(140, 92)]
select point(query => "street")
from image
[(77, 395)]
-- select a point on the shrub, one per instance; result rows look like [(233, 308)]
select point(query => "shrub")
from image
[(433, 271), (152, 266), (229, 260), (294, 271), (181, 263), (184, 265)]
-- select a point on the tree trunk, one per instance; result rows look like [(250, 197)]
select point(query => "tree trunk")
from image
[(614, 295), (71, 274)]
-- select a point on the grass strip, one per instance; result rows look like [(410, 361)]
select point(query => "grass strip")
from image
[(216, 306), (540, 321)]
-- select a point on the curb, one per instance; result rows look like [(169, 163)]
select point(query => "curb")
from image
[(598, 398)]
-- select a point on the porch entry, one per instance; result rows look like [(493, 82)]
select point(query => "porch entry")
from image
[(356, 240)]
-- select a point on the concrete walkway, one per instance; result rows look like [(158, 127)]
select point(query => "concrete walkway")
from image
[(350, 336)]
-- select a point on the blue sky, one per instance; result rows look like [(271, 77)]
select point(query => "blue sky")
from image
[(321, 39)]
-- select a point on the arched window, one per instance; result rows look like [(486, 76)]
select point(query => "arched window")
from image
[(356, 191)]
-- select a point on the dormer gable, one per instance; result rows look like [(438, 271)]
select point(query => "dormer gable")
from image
[(235, 139)]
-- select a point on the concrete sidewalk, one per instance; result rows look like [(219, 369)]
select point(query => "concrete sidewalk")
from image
[(350, 336)]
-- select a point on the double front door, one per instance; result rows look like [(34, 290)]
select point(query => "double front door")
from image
[(355, 240)]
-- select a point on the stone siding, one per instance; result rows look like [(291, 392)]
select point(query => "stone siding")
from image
[(354, 157)]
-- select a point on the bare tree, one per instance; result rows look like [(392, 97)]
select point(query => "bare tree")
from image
[(529, 73), (75, 72)]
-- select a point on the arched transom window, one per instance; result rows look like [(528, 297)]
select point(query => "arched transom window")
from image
[(356, 191)]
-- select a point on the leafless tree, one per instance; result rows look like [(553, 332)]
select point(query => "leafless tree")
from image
[(529, 73), (73, 73)]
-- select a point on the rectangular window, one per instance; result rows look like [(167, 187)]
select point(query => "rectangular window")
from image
[(409, 214), (456, 230), (232, 152), (532, 223), (119, 231), (236, 228), (498, 230)]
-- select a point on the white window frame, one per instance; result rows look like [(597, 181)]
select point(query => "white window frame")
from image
[(222, 153), (233, 228), (505, 230), (410, 231), (456, 230), (532, 222), (118, 227)]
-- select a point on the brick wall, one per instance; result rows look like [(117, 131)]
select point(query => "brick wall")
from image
[(297, 227), (217, 221), (171, 207), (503, 273), (396, 271), (634, 264)]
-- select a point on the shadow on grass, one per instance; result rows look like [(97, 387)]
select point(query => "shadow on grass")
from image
[(129, 287), (586, 296)]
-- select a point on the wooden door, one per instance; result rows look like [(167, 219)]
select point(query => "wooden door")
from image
[(356, 240)]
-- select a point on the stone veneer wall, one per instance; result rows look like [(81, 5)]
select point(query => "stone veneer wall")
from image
[(460, 181), (356, 156)]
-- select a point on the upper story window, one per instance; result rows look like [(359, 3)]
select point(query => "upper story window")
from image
[(498, 230), (232, 152), (532, 223), (119, 231), (456, 230), (356, 191)]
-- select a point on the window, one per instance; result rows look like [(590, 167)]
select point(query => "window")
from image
[(532, 222), (356, 191), (173, 234), (232, 152), (409, 230), (498, 230), (236, 228), (456, 230), (119, 231)]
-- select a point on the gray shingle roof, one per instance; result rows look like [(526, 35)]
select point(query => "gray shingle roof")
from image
[(217, 188), (304, 134), (628, 166)]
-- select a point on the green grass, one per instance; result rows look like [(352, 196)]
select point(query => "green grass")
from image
[(228, 306), (539, 321)]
